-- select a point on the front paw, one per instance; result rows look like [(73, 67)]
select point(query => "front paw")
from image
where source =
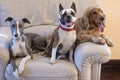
[(52, 61), (20, 69), (15, 73), (100, 41), (61, 57), (109, 42)]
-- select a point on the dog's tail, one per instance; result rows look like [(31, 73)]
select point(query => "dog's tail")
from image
[(42, 51), (48, 48)]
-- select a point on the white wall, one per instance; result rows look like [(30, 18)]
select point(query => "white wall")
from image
[(112, 30)]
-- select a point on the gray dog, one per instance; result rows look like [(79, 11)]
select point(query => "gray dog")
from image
[(22, 44)]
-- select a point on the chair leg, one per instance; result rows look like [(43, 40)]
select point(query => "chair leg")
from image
[(96, 71)]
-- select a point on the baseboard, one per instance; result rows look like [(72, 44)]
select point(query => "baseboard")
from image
[(113, 64)]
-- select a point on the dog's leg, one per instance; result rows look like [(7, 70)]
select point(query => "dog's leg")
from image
[(62, 56), (98, 40), (71, 53), (27, 50), (54, 51), (15, 73), (53, 57), (12, 61), (107, 40), (89, 38), (71, 56), (22, 63)]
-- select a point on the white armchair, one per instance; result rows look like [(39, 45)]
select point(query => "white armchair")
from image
[(88, 56), (88, 59)]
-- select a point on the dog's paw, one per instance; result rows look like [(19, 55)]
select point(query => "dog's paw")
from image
[(61, 57), (20, 69), (100, 41), (15, 73), (52, 61), (109, 42)]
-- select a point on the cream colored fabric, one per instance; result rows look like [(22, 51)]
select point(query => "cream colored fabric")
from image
[(96, 71), (4, 55), (40, 69), (3, 15), (87, 55), (43, 30), (42, 11)]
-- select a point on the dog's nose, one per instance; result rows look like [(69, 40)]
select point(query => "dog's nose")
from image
[(68, 18), (102, 18), (16, 35)]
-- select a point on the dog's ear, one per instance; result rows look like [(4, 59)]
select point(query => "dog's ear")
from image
[(60, 7), (9, 19), (73, 7), (86, 18), (85, 21), (25, 20)]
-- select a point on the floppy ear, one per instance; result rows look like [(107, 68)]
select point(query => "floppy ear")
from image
[(73, 7), (9, 19), (86, 19), (60, 7), (104, 20), (25, 20)]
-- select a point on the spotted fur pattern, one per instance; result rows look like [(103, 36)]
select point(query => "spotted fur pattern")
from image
[(90, 27)]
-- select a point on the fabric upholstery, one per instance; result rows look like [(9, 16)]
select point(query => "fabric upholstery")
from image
[(87, 55), (42, 11), (3, 15), (4, 55), (40, 69)]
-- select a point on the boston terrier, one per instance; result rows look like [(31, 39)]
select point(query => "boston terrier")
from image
[(64, 35)]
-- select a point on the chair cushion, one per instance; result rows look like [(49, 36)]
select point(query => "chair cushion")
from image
[(40, 69)]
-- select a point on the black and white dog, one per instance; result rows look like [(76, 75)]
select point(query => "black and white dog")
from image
[(21, 44), (65, 34)]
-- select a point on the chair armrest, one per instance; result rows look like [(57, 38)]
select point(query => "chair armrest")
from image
[(4, 55), (89, 55)]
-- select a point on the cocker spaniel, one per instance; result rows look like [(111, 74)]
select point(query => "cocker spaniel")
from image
[(91, 26)]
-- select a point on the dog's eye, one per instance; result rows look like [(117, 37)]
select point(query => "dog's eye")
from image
[(72, 13), (94, 13), (65, 14)]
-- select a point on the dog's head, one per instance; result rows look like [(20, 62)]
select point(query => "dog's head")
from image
[(94, 18), (67, 16), (17, 25)]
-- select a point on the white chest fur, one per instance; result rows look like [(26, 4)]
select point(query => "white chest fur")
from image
[(66, 38), (18, 48)]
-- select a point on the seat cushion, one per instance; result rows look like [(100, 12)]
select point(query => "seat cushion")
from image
[(40, 69)]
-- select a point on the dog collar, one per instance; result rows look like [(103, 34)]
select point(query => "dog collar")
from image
[(65, 29)]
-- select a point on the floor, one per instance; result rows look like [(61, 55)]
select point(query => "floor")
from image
[(110, 75), (111, 70)]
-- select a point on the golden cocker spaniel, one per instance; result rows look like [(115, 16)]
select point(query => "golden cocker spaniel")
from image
[(91, 26)]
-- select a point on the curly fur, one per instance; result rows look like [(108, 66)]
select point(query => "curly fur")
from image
[(90, 27)]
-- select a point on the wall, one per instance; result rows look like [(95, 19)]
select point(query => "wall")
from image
[(112, 29)]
